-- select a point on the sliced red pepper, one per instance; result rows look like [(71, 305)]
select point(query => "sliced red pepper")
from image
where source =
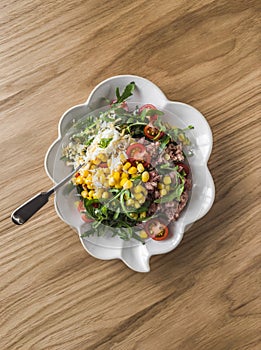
[(137, 151), (156, 229), (149, 106), (152, 133)]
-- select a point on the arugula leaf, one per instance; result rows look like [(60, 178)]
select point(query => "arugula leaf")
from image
[(88, 233), (134, 124), (143, 115), (128, 91), (164, 141), (151, 112), (64, 158), (176, 194), (105, 142), (88, 142)]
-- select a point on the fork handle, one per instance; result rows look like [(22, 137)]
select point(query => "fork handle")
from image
[(29, 208)]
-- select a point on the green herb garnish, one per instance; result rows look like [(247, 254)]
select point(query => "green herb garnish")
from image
[(128, 91), (104, 143)]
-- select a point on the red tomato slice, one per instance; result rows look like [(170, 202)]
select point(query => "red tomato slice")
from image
[(156, 229), (137, 151), (152, 133), (149, 106)]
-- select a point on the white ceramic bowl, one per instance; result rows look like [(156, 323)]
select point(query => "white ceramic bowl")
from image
[(134, 254)]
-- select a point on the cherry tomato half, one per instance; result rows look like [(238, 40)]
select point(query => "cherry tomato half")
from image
[(149, 106), (152, 133), (137, 151), (156, 229)]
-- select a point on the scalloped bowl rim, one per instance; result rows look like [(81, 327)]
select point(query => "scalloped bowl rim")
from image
[(136, 258)]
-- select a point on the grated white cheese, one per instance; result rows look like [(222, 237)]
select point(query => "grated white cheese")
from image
[(115, 152)]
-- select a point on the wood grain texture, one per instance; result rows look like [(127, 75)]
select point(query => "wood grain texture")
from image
[(206, 293)]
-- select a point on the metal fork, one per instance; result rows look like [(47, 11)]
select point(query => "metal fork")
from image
[(29, 208)]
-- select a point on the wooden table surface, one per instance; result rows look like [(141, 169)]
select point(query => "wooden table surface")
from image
[(206, 293)]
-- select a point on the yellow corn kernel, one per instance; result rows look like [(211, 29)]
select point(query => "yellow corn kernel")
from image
[(118, 186), (167, 156), (138, 196), (116, 175), (138, 189), (132, 170), (105, 195), (181, 137), (98, 193), (102, 178), (99, 172), (88, 180), (145, 176), (106, 183), (126, 166), (112, 181), (119, 168), (143, 234), (92, 167), (124, 175), (167, 187), (84, 194), (79, 180), (128, 184), (122, 182), (140, 168), (130, 202), (145, 192), (91, 193), (96, 161), (160, 186), (85, 173), (102, 157), (142, 200), (143, 215), (122, 157), (163, 192), (167, 180), (136, 204), (134, 216)]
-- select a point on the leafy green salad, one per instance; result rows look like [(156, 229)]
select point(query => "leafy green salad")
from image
[(135, 179)]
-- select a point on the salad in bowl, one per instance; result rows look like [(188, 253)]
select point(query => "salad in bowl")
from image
[(131, 197)]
